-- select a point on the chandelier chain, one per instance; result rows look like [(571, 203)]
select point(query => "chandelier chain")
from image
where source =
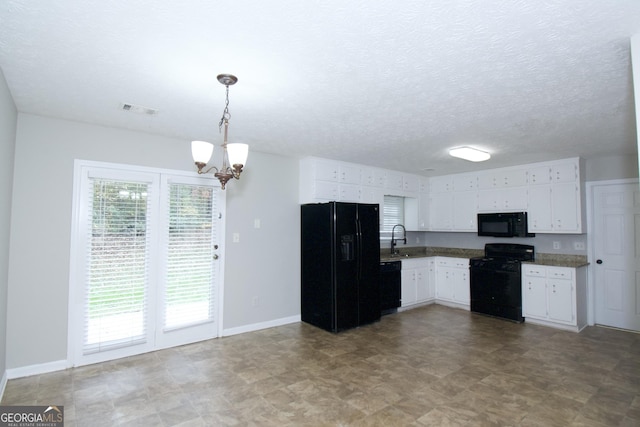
[(225, 114)]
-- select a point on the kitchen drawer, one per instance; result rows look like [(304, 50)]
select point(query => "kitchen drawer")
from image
[(408, 264), (534, 270), (453, 262), (560, 273)]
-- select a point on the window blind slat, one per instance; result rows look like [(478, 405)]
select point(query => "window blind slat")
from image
[(189, 297), (393, 212), (117, 265)]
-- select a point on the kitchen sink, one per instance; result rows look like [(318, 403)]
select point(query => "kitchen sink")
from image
[(399, 256)]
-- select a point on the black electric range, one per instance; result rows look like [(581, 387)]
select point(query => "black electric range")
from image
[(495, 280)]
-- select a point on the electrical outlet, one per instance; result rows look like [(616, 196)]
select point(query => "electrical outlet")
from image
[(236, 237), (556, 245), (578, 246), (256, 223), (254, 302)]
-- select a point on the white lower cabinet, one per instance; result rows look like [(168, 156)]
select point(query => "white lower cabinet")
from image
[(443, 279), (409, 286), (554, 296), (417, 284), (452, 281)]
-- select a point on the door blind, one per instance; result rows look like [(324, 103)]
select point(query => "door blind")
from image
[(117, 265), (189, 296)]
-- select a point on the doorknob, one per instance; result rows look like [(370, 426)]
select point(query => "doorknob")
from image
[(599, 261)]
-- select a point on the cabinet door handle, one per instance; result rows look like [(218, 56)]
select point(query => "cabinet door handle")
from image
[(599, 261)]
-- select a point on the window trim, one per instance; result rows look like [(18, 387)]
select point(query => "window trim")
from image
[(386, 226)]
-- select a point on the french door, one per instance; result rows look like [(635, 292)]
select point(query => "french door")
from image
[(145, 261)]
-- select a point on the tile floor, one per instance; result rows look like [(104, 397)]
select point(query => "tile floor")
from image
[(431, 366)]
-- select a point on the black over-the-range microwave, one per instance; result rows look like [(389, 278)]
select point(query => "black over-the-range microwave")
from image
[(507, 224)]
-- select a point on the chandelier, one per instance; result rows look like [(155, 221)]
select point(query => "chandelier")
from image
[(234, 156)]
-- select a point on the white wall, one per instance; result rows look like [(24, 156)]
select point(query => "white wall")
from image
[(8, 119), (635, 67), (611, 167), (264, 267), (40, 230)]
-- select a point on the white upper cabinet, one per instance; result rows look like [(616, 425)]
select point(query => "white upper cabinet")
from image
[(411, 183), (465, 182), (373, 177), (441, 184), (555, 202), (394, 183), (424, 185), (502, 200), (566, 217), (324, 191), (539, 175), (326, 170), (565, 172), (551, 192), (465, 208), (399, 184), (501, 178), (440, 212), (350, 193), (349, 174), (539, 209)]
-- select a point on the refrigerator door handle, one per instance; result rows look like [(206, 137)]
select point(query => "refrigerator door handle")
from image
[(359, 249)]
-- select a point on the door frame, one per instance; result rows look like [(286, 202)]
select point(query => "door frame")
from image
[(73, 358), (591, 290)]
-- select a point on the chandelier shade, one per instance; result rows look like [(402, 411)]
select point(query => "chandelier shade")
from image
[(238, 153), (201, 151)]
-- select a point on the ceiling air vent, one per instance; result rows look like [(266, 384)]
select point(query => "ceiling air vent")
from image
[(138, 109)]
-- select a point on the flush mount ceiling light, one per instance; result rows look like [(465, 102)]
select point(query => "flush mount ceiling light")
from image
[(232, 154), (470, 154)]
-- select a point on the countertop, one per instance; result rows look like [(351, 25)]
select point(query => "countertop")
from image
[(558, 260)]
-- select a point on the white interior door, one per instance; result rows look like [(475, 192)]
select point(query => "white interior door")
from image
[(616, 240)]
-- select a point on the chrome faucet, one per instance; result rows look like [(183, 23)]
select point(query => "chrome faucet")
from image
[(393, 237)]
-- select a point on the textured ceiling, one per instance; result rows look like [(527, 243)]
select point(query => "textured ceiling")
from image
[(386, 83)]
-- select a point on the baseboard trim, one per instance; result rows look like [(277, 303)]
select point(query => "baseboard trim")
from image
[(42, 368), (61, 365), (262, 325), (553, 325)]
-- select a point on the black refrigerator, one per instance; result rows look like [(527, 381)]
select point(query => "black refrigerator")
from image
[(340, 265)]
